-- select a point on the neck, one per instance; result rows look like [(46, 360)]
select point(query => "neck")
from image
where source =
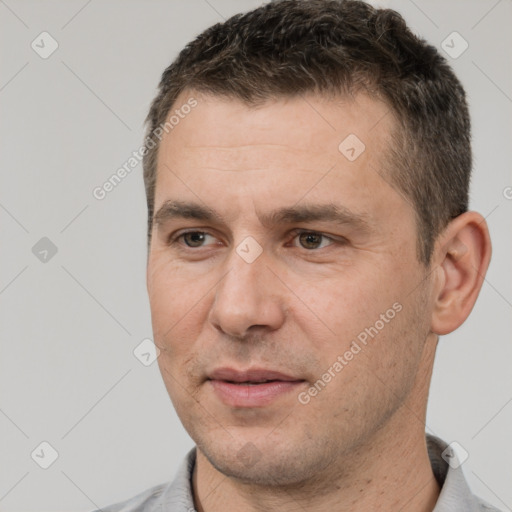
[(392, 471)]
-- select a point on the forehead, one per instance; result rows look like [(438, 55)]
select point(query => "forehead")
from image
[(307, 129), (240, 158)]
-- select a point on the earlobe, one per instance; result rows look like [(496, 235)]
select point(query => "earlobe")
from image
[(463, 253)]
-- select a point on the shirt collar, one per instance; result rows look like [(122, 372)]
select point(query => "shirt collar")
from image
[(455, 494)]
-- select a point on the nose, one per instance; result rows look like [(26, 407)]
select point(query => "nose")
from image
[(248, 299)]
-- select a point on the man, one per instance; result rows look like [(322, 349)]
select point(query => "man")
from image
[(306, 169)]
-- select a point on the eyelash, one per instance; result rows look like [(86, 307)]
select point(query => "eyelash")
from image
[(174, 239)]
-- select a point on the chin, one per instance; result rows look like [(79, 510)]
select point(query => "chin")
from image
[(268, 464)]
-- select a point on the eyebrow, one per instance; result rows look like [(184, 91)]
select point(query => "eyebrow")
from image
[(330, 212)]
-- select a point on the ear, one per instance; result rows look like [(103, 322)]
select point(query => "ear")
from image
[(462, 256)]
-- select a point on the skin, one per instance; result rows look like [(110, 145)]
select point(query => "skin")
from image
[(359, 444)]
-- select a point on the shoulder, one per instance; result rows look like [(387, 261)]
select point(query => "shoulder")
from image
[(486, 507), (146, 501), (456, 494), (175, 496)]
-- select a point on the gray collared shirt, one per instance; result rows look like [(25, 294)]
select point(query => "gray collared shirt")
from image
[(177, 496)]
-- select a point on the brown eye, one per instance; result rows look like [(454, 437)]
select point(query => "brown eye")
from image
[(311, 240), (194, 238)]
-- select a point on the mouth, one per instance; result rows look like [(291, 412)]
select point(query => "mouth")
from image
[(254, 387)]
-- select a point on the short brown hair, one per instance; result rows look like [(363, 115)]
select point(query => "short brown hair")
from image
[(335, 47)]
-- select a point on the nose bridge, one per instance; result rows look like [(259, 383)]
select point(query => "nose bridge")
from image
[(242, 287), (246, 296)]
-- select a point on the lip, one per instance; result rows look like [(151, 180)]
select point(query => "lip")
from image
[(249, 375), (233, 387)]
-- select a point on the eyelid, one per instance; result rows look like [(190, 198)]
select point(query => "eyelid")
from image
[(299, 231), (332, 238), (174, 237)]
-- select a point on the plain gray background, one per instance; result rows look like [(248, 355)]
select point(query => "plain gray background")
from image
[(69, 325)]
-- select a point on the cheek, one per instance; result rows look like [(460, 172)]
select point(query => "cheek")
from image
[(342, 306), (363, 332), (177, 304)]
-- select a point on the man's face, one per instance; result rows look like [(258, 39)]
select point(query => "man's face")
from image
[(275, 282)]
